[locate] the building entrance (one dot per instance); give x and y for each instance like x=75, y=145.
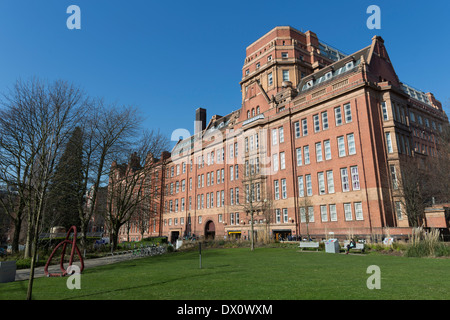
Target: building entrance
x=174, y=236
x=210, y=230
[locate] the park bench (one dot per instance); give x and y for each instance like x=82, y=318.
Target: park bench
x=359, y=246
x=309, y=244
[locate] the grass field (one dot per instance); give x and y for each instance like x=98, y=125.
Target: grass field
x=239, y=274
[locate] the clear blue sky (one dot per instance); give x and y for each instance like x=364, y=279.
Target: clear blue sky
x=170, y=57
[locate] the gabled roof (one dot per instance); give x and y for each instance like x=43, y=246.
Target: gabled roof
x=333, y=71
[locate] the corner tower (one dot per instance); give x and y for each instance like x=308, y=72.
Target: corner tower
x=281, y=58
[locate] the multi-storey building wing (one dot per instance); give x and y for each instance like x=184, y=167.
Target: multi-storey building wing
x=315, y=148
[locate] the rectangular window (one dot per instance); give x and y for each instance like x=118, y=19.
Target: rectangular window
x=308, y=185
x=306, y=154
x=231, y=218
x=330, y=181
x=398, y=210
x=274, y=137
x=236, y=170
x=282, y=161
x=338, y=116
x=278, y=215
x=276, y=190
x=316, y=123
x=285, y=75
x=348, y=211
x=231, y=173
x=321, y=182
x=275, y=162
x=237, y=195
x=285, y=215
x=283, y=189
x=301, y=187
x=389, y=143
x=323, y=213
x=355, y=177
x=305, y=127
x=394, y=177
x=231, y=197
x=297, y=129
x=237, y=217
x=299, y=156
x=385, y=111
x=327, y=147
x=218, y=199
x=302, y=214
x=319, y=157
x=270, y=79
x=358, y=211
x=281, y=134
x=311, y=214
x=341, y=146
x=223, y=197
x=324, y=120
x=344, y=179
x=348, y=113
x=212, y=199
x=333, y=214
x=351, y=143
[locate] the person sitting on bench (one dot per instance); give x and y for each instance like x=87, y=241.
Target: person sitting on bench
x=352, y=244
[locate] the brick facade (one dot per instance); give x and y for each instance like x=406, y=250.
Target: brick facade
x=324, y=134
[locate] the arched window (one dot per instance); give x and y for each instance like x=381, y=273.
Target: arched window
x=248, y=114
x=257, y=110
x=253, y=112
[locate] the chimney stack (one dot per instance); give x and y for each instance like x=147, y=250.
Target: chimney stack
x=200, y=120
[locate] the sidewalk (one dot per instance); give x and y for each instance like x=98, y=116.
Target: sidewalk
x=24, y=274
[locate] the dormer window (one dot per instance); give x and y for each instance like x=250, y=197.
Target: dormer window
x=349, y=65
x=247, y=72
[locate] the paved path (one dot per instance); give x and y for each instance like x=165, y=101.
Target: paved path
x=24, y=274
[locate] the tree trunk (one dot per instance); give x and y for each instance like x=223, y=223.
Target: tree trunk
x=16, y=235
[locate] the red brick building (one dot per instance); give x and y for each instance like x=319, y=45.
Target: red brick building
x=316, y=147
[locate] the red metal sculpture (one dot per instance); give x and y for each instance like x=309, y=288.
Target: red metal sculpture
x=61, y=263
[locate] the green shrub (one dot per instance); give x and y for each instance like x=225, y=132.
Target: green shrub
x=426, y=244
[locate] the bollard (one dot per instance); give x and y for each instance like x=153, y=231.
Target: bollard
x=200, y=253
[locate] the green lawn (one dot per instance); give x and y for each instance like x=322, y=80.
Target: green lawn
x=239, y=274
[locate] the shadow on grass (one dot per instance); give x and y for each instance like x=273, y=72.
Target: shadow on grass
x=151, y=284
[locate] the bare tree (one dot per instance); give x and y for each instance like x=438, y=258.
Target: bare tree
x=43, y=115
x=411, y=187
x=254, y=186
x=129, y=184
x=108, y=131
x=305, y=214
x=440, y=167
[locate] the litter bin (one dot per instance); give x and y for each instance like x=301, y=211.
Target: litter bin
x=332, y=246
x=7, y=271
